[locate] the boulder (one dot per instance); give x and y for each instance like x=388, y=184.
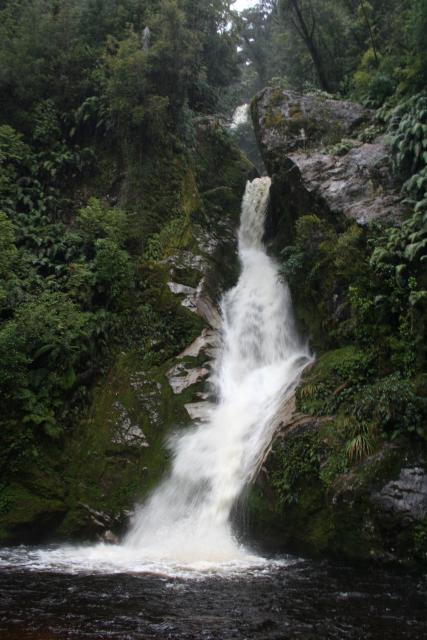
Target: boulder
x=321, y=163
x=286, y=121
x=404, y=499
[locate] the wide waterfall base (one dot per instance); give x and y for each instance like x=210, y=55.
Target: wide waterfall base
x=113, y=559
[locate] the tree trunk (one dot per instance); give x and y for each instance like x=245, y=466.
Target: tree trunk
x=307, y=35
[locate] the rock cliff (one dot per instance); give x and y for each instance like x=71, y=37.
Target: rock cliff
x=326, y=156
x=332, y=185
x=86, y=485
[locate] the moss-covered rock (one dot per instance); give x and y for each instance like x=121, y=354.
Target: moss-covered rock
x=117, y=454
x=298, y=504
x=318, y=165
x=286, y=121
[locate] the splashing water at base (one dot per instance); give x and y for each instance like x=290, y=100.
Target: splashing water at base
x=186, y=522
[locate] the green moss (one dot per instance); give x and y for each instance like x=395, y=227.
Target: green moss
x=275, y=120
x=317, y=130
x=276, y=97
x=106, y=472
x=30, y=504
x=219, y=162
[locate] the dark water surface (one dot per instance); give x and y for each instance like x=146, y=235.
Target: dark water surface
x=305, y=600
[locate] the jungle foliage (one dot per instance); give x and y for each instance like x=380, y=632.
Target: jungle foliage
x=362, y=293
x=95, y=98
x=369, y=50
x=98, y=105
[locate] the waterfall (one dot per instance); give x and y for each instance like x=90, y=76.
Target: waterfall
x=240, y=116
x=185, y=526
x=187, y=519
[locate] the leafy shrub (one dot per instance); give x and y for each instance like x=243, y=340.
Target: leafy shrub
x=407, y=127
x=334, y=379
x=98, y=221
x=8, y=249
x=399, y=259
x=372, y=82
x=319, y=268
x=300, y=459
x=44, y=347
x=113, y=269
x=391, y=406
x=171, y=237
x=359, y=436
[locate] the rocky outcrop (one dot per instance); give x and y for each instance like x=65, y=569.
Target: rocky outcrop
x=324, y=156
x=377, y=511
x=405, y=498
x=286, y=121
x=358, y=185
x=326, y=486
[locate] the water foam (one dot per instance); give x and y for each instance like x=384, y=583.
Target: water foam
x=240, y=116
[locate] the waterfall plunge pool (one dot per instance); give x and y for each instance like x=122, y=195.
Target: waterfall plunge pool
x=278, y=600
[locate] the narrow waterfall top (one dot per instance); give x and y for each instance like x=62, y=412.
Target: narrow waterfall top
x=240, y=116
x=254, y=209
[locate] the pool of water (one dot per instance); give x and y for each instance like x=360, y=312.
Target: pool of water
x=285, y=599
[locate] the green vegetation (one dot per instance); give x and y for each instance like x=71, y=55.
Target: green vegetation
x=114, y=169
x=359, y=290
x=369, y=50
x=366, y=288
x=100, y=185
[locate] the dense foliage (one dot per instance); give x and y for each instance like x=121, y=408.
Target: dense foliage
x=366, y=49
x=90, y=92
x=364, y=287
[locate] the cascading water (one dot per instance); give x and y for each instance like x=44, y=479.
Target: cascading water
x=186, y=522
x=188, y=518
x=240, y=116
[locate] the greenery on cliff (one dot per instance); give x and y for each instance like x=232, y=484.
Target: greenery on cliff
x=103, y=152
x=359, y=289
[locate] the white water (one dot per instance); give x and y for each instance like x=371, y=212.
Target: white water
x=188, y=517
x=186, y=522
x=240, y=116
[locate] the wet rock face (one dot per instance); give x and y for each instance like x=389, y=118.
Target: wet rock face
x=358, y=185
x=182, y=377
x=377, y=511
x=405, y=498
x=318, y=164
x=126, y=433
